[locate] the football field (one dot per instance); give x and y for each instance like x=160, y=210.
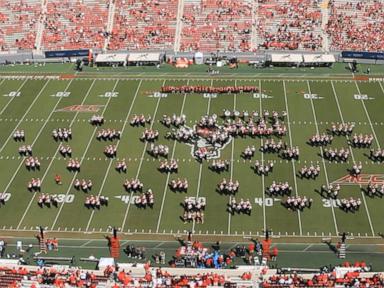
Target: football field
x=38, y=106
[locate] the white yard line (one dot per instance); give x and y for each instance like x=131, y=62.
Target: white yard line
x=307, y=248
x=25, y=114
x=201, y=164
x=262, y=163
x=83, y=157
x=368, y=117
x=141, y=162
x=117, y=145
x=33, y=143
x=322, y=158
x=86, y=243
x=292, y=160
x=381, y=86
x=12, y=98
x=169, y=174
x=53, y=158
x=232, y=163
x=353, y=158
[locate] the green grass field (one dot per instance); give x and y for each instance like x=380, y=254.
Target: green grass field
x=37, y=111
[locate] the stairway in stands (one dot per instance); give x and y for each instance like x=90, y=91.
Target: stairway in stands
x=41, y=25
x=111, y=18
x=179, y=25
x=255, y=6
x=325, y=11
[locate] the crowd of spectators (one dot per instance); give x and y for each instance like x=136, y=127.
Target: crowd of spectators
x=211, y=25
x=353, y=277
x=356, y=25
x=205, y=25
x=141, y=25
x=49, y=276
x=289, y=24
x=196, y=255
x=165, y=279
x=73, y=277
x=18, y=23
x=72, y=24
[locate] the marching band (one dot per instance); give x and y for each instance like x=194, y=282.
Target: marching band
x=96, y=120
x=145, y=199
x=19, y=136
x=208, y=89
x=25, y=150
x=228, y=186
x=244, y=207
x=108, y=134
x=85, y=185
x=140, y=120
x=95, y=202
x=133, y=185
x=295, y=203
x=62, y=134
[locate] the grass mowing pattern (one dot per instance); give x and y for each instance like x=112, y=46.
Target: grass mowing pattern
x=36, y=111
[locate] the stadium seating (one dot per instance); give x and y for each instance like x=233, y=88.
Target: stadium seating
x=191, y=25
x=71, y=24
x=356, y=25
x=27, y=276
x=289, y=24
x=19, y=21
x=212, y=25
x=143, y=25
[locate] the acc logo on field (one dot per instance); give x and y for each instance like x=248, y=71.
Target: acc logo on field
x=80, y=108
x=362, y=179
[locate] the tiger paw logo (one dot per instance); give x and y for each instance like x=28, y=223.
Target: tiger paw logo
x=202, y=142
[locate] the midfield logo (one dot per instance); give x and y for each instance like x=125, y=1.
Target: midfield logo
x=201, y=143
x=362, y=179
x=81, y=108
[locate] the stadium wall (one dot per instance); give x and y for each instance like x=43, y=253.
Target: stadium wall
x=33, y=56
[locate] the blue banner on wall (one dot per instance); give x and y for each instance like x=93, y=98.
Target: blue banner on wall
x=363, y=55
x=67, y=53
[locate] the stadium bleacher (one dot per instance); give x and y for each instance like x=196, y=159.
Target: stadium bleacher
x=191, y=25
x=349, y=275
x=216, y=25
x=142, y=25
x=18, y=28
x=289, y=25
x=356, y=25
x=73, y=25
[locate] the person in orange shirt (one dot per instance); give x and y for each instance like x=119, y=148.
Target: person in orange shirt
x=55, y=244
x=58, y=179
x=121, y=276
x=251, y=248
x=275, y=252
